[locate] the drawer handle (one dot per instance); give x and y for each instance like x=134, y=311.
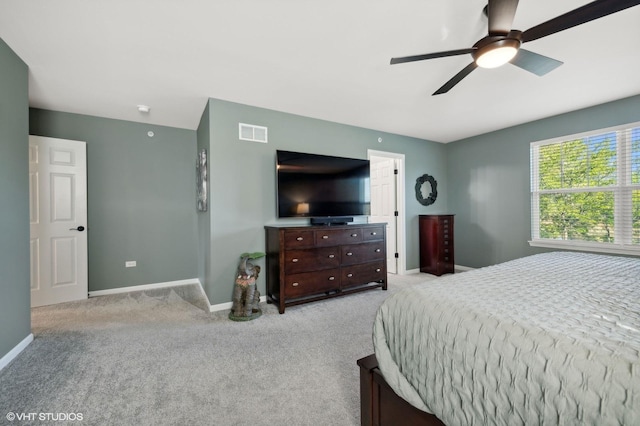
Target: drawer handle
x=294, y=260
x=295, y=284
x=378, y=269
x=374, y=233
x=354, y=235
x=299, y=238
x=325, y=237
x=349, y=275
x=349, y=254
x=332, y=278
x=377, y=250
x=331, y=256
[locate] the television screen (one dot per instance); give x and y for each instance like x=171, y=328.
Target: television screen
x=311, y=185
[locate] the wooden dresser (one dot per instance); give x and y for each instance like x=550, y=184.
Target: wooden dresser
x=309, y=263
x=436, y=244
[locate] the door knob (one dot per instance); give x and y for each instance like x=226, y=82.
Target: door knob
x=79, y=229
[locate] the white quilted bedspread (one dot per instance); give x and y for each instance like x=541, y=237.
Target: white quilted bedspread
x=547, y=339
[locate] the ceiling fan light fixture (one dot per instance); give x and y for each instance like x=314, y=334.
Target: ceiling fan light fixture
x=502, y=42
x=497, y=54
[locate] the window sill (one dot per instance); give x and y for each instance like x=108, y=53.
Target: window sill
x=585, y=246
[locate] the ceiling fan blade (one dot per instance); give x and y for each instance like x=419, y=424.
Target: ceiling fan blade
x=456, y=79
x=501, y=14
x=581, y=15
x=534, y=62
x=432, y=55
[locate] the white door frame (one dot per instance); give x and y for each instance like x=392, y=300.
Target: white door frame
x=400, y=203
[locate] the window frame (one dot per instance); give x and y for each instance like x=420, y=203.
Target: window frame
x=623, y=229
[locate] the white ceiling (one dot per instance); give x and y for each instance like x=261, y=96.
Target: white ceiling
x=327, y=59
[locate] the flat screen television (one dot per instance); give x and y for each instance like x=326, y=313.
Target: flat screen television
x=321, y=186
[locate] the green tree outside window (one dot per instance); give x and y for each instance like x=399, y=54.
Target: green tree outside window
x=579, y=183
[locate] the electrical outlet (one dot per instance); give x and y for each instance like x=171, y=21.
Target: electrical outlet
x=130, y=264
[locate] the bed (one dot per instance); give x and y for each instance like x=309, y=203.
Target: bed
x=552, y=338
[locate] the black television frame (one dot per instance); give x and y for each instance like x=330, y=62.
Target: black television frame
x=329, y=171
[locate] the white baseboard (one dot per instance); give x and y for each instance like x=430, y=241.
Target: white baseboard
x=212, y=308
x=15, y=351
x=463, y=268
x=229, y=305
x=456, y=267
x=145, y=287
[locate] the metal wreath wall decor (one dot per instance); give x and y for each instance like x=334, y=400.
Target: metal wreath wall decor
x=421, y=190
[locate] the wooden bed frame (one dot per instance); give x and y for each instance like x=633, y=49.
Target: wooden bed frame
x=381, y=406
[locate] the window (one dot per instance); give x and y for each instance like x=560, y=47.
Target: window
x=585, y=191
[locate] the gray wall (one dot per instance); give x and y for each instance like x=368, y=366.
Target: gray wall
x=141, y=197
x=15, y=315
x=242, y=176
x=489, y=181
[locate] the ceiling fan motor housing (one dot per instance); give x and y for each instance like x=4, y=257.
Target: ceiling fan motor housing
x=495, y=50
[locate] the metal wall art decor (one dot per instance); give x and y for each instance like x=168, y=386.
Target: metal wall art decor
x=201, y=180
x=426, y=190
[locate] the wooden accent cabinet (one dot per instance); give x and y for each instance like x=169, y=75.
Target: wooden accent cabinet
x=436, y=244
x=309, y=263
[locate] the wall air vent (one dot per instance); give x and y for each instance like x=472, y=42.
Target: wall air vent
x=249, y=132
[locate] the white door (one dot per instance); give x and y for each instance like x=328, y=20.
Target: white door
x=383, y=203
x=58, y=216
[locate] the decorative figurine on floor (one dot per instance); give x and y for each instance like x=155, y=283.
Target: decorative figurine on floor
x=246, y=297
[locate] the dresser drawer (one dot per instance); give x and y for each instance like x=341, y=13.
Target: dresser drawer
x=309, y=283
x=446, y=254
x=446, y=230
x=445, y=259
x=358, y=253
x=331, y=237
x=370, y=234
x=297, y=239
x=311, y=259
x=363, y=273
